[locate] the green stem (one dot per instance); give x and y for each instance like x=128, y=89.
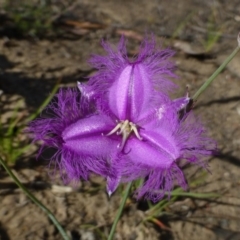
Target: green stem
x=110, y=237
x=215, y=74
x=196, y=195
x=45, y=102
x=36, y=201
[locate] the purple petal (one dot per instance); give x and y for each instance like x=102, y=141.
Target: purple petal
x=131, y=92
x=76, y=135
x=112, y=183
x=153, y=151
x=193, y=141
x=132, y=86
x=119, y=93
x=85, y=90
x=86, y=136
x=161, y=181
x=64, y=110
x=164, y=123
x=180, y=103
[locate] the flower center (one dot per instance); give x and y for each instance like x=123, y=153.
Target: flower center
x=125, y=128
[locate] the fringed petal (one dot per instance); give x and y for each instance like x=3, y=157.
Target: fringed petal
x=160, y=182
x=128, y=87
x=153, y=151
x=86, y=137
x=76, y=134
x=193, y=141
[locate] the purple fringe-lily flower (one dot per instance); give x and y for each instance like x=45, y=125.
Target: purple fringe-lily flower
x=122, y=124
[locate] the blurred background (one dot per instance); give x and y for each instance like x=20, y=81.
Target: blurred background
x=46, y=44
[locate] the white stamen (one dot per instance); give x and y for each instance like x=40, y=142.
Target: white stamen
x=126, y=128
x=134, y=129
x=115, y=129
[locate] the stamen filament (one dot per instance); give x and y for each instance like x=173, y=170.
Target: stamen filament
x=115, y=129
x=124, y=139
x=126, y=128
x=134, y=129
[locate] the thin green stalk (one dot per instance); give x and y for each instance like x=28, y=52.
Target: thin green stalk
x=36, y=201
x=178, y=192
x=215, y=74
x=160, y=205
x=125, y=196
x=196, y=195
x=45, y=102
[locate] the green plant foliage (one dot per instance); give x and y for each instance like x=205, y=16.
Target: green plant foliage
x=31, y=19
x=213, y=34
x=12, y=145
